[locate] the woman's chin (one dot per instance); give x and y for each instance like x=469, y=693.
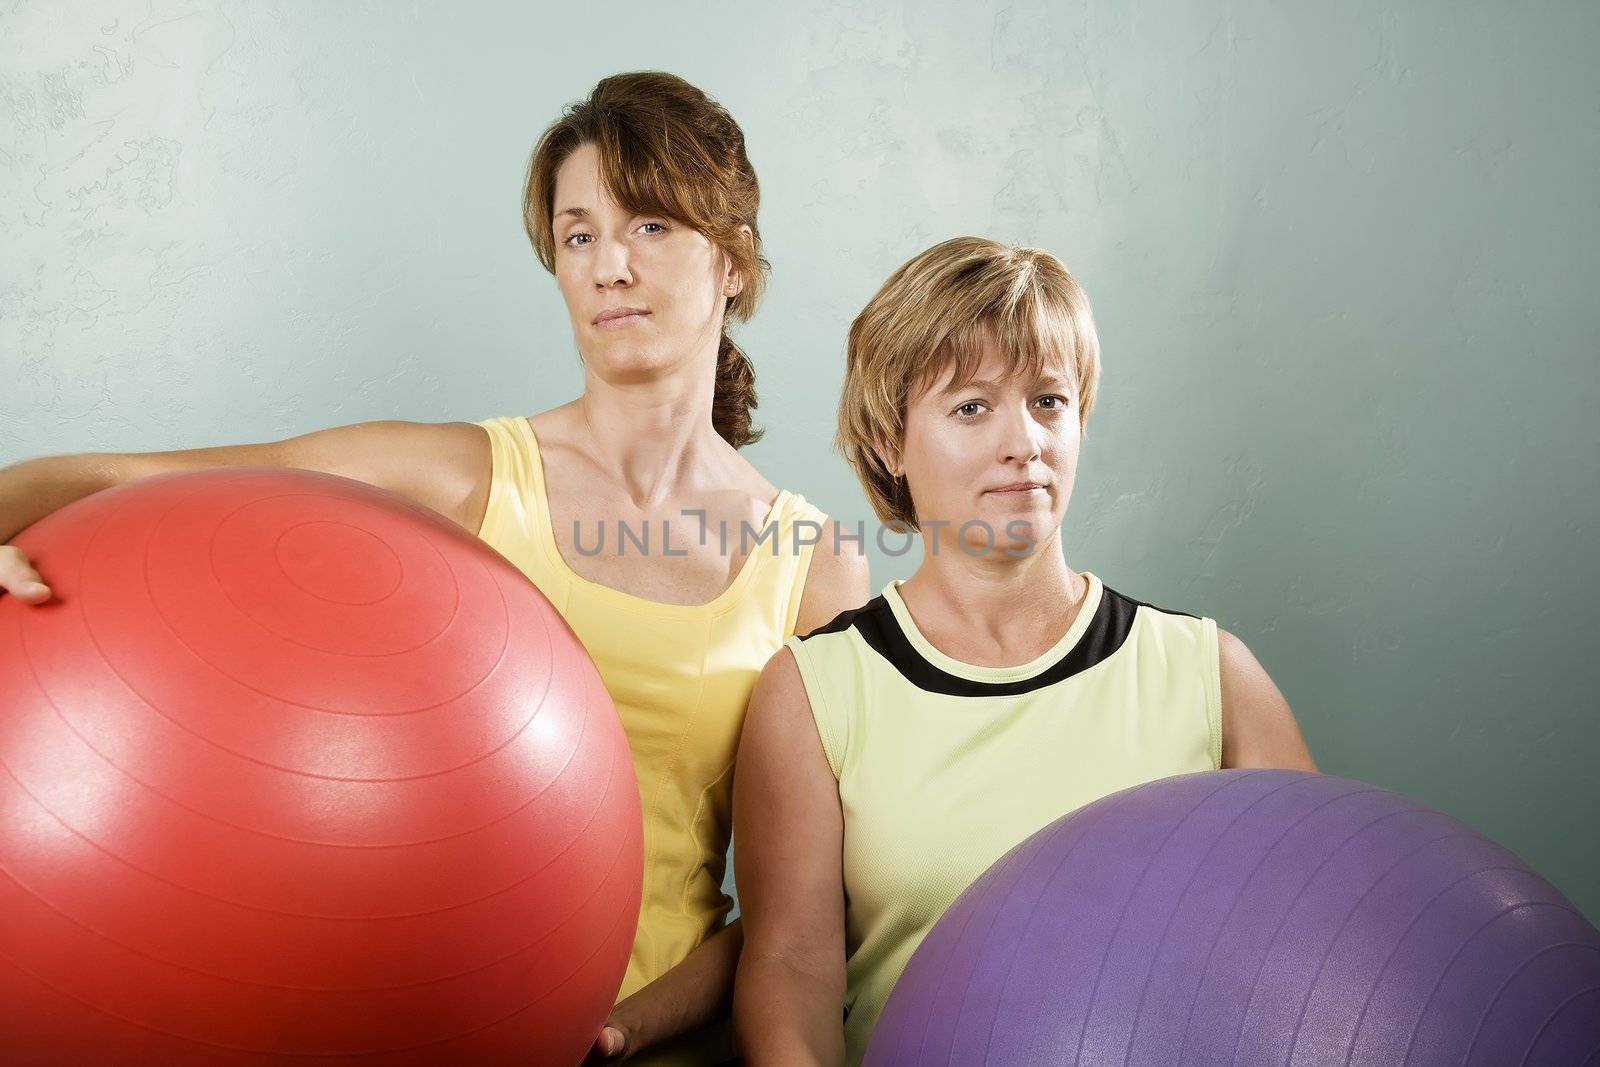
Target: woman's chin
x=626, y=366
x=1020, y=541
x=1009, y=538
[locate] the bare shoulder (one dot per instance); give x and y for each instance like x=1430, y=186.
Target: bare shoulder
x=458, y=445
x=465, y=473
x=445, y=466
x=780, y=750
x=839, y=579
x=1258, y=727
x=1233, y=653
x=780, y=685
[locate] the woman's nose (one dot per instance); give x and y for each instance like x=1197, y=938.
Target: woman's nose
x=611, y=265
x=1020, y=436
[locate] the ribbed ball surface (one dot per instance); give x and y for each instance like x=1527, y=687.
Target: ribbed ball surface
x=1252, y=917
x=295, y=771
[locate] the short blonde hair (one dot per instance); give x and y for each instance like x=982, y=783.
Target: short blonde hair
x=938, y=309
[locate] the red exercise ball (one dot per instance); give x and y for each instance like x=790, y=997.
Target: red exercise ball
x=295, y=771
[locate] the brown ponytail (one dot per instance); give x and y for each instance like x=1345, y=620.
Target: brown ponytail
x=735, y=396
x=667, y=147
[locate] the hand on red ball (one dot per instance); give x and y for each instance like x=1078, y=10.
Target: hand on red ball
x=614, y=1044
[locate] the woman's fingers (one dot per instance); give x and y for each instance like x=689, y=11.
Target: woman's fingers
x=611, y=1044
x=18, y=577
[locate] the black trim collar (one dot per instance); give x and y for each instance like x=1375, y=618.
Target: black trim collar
x=1105, y=634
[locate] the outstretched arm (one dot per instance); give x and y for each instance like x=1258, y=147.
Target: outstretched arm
x=442, y=466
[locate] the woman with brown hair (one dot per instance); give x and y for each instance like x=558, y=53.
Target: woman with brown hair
x=642, y=202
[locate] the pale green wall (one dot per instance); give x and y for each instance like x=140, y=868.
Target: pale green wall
x=1342, y=258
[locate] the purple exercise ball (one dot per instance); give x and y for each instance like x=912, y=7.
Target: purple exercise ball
x=1252, y=917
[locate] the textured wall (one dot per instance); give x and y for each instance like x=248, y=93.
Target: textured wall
x=1342, y=259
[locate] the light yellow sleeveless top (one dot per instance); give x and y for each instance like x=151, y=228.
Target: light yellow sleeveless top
x=680, y=676
x=944, y=766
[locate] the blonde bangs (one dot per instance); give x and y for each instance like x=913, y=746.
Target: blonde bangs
x=1033, y=339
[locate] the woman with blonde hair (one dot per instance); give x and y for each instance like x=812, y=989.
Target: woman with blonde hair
x=642, y=202
x=891, y=756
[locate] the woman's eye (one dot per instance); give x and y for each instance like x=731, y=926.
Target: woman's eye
x=579, y=238
x=969, y=409
x=659, y=228
x=1060, y=401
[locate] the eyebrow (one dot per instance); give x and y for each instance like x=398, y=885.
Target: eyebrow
x=575, y=212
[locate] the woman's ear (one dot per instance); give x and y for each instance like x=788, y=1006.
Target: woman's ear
x=733, y=281
x=890, y=460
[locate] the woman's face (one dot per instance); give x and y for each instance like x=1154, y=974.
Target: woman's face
x=1000, y=453
x=644, y=291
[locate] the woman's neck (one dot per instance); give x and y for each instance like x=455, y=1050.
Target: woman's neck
x=994, y=609
x=655, y=437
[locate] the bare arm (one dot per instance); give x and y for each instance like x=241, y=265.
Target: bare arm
x=788, y=833
x=835, y=582
x=442, y=466
x=1258, y=729
x=694, y=994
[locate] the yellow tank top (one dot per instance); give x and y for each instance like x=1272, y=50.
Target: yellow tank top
x=944, y=766
x=681, y=677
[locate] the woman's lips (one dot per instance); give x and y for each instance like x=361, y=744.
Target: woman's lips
x=618, y=322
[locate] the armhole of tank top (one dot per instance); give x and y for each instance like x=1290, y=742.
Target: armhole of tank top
x=709, y=858
x=497, y=475
x=1211, y=654
x=519, y=471
x=821, y=710
x=802, y=569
